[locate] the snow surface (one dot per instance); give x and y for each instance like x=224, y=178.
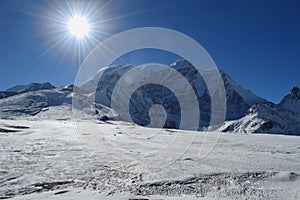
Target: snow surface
x=90, y=159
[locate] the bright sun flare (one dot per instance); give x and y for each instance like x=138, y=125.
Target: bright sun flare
x=79, y=26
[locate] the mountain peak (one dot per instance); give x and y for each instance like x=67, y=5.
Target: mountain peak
x=292, y=100
x=295, y=92
x=180, y=62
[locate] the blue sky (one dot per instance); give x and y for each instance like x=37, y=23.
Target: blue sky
x=256, y=42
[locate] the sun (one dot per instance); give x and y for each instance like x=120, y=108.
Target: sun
x=79, y=26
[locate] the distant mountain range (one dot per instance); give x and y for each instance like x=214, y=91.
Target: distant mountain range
x=246, y=112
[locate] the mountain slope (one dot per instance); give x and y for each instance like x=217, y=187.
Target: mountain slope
x=269, y=117
x=238, y=98
x=292, y=100
x=18, y=89
x=33, y=102
x=48, y=103
x=5, y=94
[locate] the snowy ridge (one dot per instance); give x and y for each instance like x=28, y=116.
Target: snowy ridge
x=33, y=102
x=30, y=87
x=18, y=89
x=53, y=103
x=246, y=112
x=269, y=117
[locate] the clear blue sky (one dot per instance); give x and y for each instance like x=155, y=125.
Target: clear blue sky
x=256, y=42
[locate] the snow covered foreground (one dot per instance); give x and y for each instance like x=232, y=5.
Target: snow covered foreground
x=64, y=159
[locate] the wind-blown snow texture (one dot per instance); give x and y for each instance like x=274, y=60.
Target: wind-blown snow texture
x=46, y=159
x=246, y=112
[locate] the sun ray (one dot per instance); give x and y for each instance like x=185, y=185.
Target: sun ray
x=50, y=48
x=54, y=27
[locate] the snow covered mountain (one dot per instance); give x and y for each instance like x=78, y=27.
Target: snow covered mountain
x=246, y=112
x=18, y=89
x=32, y=102
x=269, y=117
x=238, y=98
x=55, y=103
x=292, y=100
x=30, y=87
